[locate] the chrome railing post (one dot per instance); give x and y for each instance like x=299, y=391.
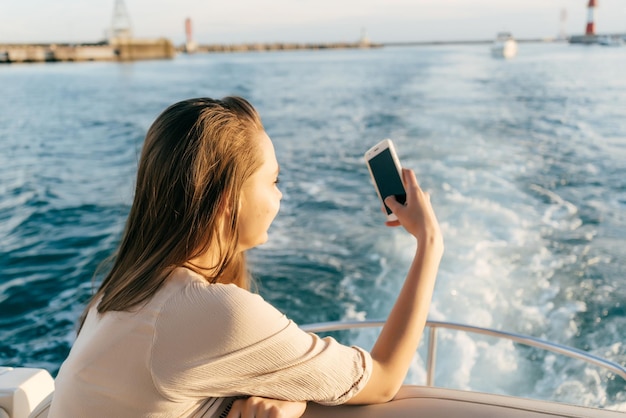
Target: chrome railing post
x=431, y=357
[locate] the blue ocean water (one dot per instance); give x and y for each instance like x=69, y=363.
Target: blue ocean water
x=525, y=160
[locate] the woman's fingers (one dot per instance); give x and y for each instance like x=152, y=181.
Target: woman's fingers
x=416, y=215
x=257, y=407
x=412, y=187
x=246, y=408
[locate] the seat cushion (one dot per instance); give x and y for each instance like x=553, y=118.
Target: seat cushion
x=434, y=402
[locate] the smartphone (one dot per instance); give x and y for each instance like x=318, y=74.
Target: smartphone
x=384, y=167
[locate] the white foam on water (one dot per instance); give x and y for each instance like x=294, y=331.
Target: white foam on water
x=499, y=272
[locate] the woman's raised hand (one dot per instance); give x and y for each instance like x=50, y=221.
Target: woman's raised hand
x=416, y=215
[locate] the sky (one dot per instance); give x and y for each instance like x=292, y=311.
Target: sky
x=249, y=21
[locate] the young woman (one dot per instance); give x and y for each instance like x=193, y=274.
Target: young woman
x=173, y=330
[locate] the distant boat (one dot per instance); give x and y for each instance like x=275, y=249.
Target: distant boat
x=505, y=46
x=607, y=40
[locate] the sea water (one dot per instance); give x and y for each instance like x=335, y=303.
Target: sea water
x=525, y=160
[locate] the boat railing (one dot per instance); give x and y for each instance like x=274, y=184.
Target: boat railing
x=434, y=326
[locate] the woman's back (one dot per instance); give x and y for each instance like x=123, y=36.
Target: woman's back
x=191, y=348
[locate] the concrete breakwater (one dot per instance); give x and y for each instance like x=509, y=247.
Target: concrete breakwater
x=116, y=50
x=276, y=46
x=614, y=39
x=137, y=49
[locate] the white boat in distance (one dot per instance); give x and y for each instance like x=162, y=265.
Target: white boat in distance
x=27, y=392
x=608, y=40
x=505, y=46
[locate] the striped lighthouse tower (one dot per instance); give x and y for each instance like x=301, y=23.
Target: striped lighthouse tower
x=591, y=26
x=190, y=45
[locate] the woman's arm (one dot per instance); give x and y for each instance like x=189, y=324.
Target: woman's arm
x=399, y=338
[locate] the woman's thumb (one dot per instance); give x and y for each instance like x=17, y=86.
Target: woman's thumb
x=392, y=203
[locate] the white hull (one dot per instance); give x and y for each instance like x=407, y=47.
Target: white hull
x=610, y=41
x=504, y=49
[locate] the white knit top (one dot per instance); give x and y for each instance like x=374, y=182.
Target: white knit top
x=192, y=348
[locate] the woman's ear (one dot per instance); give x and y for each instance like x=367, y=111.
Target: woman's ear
x=226, y=206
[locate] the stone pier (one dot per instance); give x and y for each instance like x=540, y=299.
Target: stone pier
x=116, y=50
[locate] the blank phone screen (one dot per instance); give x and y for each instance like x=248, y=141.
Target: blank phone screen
x=387, y=178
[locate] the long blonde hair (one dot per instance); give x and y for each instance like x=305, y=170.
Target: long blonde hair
x=196, y=156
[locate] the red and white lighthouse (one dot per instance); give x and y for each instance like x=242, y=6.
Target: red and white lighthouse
x=190, y=45
x=591, y=26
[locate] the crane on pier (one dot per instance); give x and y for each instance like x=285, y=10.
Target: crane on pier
x=121, y=27
x=563, y=30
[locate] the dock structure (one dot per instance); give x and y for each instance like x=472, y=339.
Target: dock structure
x=591, y=37
x=132, y=49
x=279, y=46
x=584, y=39
x=121, y=46
x=114, y=50
x=25, y=53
